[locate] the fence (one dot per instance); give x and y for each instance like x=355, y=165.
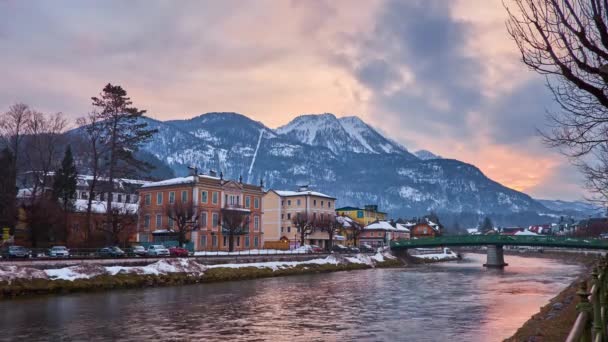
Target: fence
x=590, y=324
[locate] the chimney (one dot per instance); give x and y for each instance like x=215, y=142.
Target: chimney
x=303, y=188
x=212, y=173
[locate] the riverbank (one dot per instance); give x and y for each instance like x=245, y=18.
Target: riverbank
x=18, y=281
x=554, y=320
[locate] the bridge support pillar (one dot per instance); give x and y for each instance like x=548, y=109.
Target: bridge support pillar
x=495, y=257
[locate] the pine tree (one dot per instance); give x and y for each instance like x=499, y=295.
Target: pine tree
x=64, y=185
x=122, y=132
x=487, y=225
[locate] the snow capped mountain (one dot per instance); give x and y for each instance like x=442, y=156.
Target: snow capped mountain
x=426, y=155
x=343, y=157
x=347, y=134
x=573, y=208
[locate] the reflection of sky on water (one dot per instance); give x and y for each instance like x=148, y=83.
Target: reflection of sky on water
x=451, y=301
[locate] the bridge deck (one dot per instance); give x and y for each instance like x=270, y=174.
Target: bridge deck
x=505, y=240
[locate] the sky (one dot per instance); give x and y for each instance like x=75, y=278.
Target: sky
x=440, y=75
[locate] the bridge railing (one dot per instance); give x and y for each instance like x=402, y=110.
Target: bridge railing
x=540, y=240
x=590, y=324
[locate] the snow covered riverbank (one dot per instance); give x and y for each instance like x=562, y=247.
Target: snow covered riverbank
x=189, y=267
x=445, y=255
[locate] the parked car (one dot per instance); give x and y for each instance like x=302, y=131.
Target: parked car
x=59, y=252
x=354, y=250
x=339, y=249
x=178, y=252
x=365, y=248
x=157, y=250
x=16, y=252
x=316, y=249
x=139, y=251
x=111, y=252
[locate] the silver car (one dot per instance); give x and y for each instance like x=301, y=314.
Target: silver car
x=59, y=252
x=158, y=250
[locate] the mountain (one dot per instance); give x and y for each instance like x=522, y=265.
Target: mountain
x=344, y=157
x=347, y=134
x=426, y=155
x=578, y=209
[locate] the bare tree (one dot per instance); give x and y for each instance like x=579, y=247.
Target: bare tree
x=351, y=228
x=91, y=152
x=43, y=150
x=183, y=216
x=331, y=225
x=234, y=222
x=567, y=41
x=118, y=223
x=12, y=128
x=305, y=225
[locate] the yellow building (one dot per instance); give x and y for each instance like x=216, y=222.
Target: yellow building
x=365, y=215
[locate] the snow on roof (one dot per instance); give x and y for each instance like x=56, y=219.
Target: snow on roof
x=472, y=230
x=402, y=228
x=380, y=225
x=345, y=221
x=171, y=181
x=526, y=232
x=80, y=205
x=287, y=193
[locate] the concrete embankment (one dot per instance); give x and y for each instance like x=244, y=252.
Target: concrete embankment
x=23, y=281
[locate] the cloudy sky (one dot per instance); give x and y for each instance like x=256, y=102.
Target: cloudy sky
x=436, y=75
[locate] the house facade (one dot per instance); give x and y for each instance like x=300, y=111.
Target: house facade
x=365, y=216
x=425, y=228
x=281, y=206
x=381, y=233
x=211, y=198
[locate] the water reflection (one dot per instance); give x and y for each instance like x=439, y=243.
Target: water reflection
x=452, y=301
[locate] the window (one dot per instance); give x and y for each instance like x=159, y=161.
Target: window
x=204, y=195
x=148, y=199
x=238, y=241
x=322, y=204
x=283, y=202
x=214, y=197
x=214, y=220
x=203, y=222
x=184, y=196
x=282, y=229
x=256, y=223
x=214, y=240
x=247, y=202
x=299, y=202
x=172, y=197
x=246, y=241
x=288, y=202
x=204, y=241
x=84, y=195
x=371, y=234
x=282, y=216
x=119, y=198
x=289, y=216
x=225, y=241
x=159, y=221
x=159, y=198
x=128, y=198
x=256, y=203
x=424, y=231
x=314, y=203
x=170, y=222
x=146, y=221
x=289, y=229
x=328, y=204
x=255, y=241
x=102, y=196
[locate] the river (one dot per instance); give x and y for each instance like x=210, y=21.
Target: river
x=455, y=301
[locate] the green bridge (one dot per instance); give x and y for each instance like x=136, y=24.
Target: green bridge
x=495, y=244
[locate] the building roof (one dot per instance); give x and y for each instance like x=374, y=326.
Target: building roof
x=402, y=228
x=190, y=180
x=287, y=193
x=355, y=208
x=380, y=225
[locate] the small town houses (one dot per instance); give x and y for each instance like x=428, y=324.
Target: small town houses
x=195, y=210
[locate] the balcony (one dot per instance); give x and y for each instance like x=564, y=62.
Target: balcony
x=236, y=207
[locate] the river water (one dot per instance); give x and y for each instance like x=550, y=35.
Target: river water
x=455, y=301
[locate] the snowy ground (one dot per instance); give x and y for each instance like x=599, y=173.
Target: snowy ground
x=445, y=255
x=301, y=250
x=190, y=266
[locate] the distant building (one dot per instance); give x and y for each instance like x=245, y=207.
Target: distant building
x=381, y=233
x=281, y=206
x=365, y=216
x=210, y=196
x=511, y=230
x=426, y=228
